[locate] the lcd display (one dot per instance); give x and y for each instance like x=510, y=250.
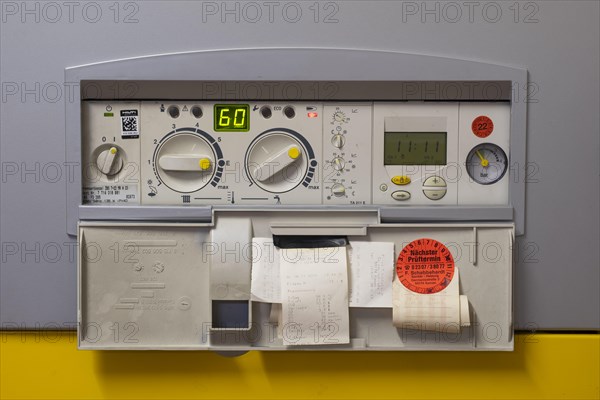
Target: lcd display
x=414, y=148
x=232, y=118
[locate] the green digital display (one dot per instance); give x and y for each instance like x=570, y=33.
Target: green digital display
x=414, y=148
x=232, y=118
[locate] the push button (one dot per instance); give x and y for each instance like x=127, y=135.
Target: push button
x=437, y=181
x=401, y=180
x=434, y=187
x=401, y=195
x=434, y=194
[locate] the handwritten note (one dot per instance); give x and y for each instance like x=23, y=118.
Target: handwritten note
x=266, y=283
x=445, y=311
x=314, y=293
x=371, y=274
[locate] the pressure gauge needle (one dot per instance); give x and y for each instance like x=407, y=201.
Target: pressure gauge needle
x=484, y=162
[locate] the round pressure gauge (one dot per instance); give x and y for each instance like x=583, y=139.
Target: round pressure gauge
x=486, y=163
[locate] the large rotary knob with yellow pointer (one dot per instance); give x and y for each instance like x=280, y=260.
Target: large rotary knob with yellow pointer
x=185, y=162
x=276, y=162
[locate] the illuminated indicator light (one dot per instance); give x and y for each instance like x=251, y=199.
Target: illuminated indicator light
x=294, y=153
x=313, y=115
x=109, y=114
x=204, y=164
x=113, y=150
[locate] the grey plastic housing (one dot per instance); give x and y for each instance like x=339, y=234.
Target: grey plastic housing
x=172, y=292
x=148, y=286
x=216, y=75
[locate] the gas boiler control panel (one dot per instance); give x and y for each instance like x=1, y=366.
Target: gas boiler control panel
x=295, y=153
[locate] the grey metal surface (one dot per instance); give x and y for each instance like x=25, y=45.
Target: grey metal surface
x=557, y=273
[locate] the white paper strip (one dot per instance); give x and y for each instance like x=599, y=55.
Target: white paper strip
x=314, y=291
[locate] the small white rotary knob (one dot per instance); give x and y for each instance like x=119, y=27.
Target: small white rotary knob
x=338, y=140
x=109, y=161
x=338, y=190
x=338, y=163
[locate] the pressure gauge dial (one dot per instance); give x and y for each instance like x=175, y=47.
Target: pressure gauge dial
x=487, y=163
x=185, y=162
x=277, y=161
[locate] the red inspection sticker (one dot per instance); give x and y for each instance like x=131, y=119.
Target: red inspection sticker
x=425, y=266
x=482, y=126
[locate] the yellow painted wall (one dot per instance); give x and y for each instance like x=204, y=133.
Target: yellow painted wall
x=48, y=365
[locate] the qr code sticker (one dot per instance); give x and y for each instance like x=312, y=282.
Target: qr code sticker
x=129, y=124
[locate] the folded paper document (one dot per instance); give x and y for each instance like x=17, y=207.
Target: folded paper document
x=370, y=273
x=314, y=295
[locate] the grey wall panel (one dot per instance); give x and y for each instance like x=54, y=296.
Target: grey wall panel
x=557, y=273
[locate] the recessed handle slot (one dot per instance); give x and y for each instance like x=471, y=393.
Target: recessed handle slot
x=231, y=314
x=308, y=242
